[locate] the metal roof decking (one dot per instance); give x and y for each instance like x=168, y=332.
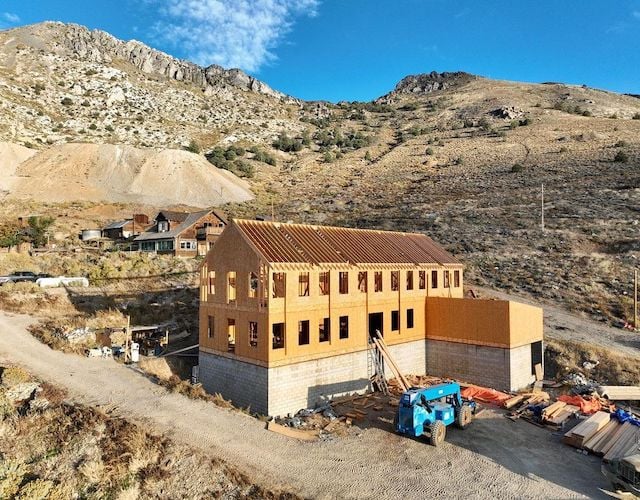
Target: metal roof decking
x=303, y=243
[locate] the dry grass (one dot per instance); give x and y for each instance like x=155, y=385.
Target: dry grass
x=68, y=451
x=563, y=357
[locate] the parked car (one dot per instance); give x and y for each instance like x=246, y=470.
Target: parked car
x=22, y=276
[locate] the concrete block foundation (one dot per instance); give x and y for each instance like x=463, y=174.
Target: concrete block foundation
x=498, y=368
x=287, y=389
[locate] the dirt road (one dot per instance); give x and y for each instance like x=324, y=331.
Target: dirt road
x=494, y=458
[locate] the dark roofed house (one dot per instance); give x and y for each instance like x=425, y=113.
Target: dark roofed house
x=182, y=233
x=124, y=229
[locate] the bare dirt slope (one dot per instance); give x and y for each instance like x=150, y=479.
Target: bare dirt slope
x=495, y=457
x=93, y=172
x=11, y=156
x=562, y=325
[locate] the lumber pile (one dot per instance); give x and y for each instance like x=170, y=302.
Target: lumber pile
x=561, y=415
x=620, y=392
x=601, y=439
x=624, y=443
x=582, y=432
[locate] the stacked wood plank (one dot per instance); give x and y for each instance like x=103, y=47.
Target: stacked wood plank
x=560, y=416
x=625, y=442
x=620, y=392
x=597, y=443
x=582, y=432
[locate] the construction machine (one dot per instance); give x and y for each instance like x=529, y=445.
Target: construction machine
x=429, y=410
x=624, y=474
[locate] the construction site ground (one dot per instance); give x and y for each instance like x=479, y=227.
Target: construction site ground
x=495, y=457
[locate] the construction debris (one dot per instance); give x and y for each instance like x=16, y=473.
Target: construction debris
x=303, y=435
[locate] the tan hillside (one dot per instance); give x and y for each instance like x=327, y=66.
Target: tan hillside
x=11, y=156
x=108, y=173
x=456, y=155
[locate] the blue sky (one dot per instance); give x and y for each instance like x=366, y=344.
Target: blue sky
x=359, y=49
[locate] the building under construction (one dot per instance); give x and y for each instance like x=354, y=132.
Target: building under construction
x=287, y=312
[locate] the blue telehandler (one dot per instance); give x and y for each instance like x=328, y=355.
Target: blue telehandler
x=429, y=410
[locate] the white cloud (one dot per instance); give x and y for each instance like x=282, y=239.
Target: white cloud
x=10, y=17
x=231, y=33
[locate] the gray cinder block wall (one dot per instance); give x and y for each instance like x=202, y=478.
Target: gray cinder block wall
x=498, y=368
x=287, y=389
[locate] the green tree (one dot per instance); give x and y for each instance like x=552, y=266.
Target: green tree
x=38, y=227
x=11, y=235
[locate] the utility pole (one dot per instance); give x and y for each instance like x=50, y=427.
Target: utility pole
x=635, y=300
x=542, y=208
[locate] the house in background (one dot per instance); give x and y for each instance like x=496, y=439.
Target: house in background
x=183, y=234
x=124, y=229
x=287, y=310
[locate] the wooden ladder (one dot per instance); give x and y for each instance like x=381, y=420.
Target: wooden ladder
x=383, y=350
x=376, y=368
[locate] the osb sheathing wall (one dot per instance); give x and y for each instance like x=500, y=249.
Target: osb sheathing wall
x=233, y=253
x=494, y=323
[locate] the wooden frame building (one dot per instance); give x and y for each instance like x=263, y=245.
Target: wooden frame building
x=287, y=310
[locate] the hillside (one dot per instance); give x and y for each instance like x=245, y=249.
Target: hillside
x=123, y=174
x=64, y=83
x=456, y=155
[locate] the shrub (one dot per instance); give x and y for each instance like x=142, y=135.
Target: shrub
x=517, y=168
x=636, y=116
x=193, y=147
x=484, y=124
x=621, y=157
x=93, y=126
x=244, y=169
x=586, y=112
x=429, y=151
x=109, y=128
x=621, y=144
x=67, y=101
x=526, y=121
x=328, y=157
x=287, y=144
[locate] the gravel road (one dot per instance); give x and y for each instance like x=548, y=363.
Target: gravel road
x=494, y=458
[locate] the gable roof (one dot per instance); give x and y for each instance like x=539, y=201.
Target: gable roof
x=303, y=243
x=189, y=221
x=172, y=215
x=117, y=224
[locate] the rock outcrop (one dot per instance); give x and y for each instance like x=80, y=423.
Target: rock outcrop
x=427, y=83
x=101, y=47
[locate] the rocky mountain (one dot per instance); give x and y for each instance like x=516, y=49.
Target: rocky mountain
x=100, y=47
x=427, y=83
x=63, y=83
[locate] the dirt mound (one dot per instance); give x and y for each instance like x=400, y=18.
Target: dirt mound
x=110, y=173
x=11, y=156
